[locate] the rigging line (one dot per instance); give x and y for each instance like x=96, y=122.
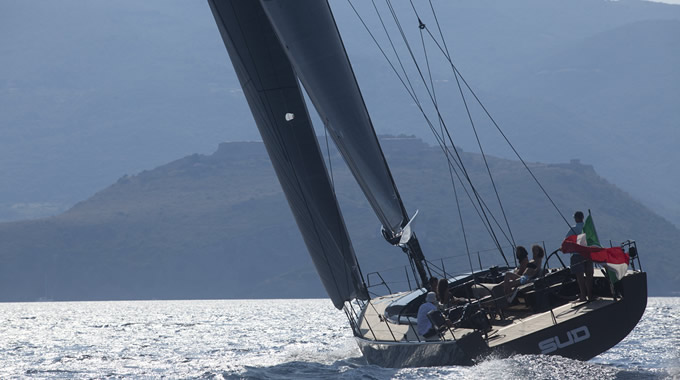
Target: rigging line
x=412, y=91
x=481, y=202
x=449, y=157
x=394, y=69
x=461, y=255
x=445, y=149
x=462, y=225
x=434, y=93
x=447, y=153
x=486, y=162
x=441, y=128
x=515, y=151
x=472, y=123
x=421, y=27
x=429, y=74
x=392, y=44
x=460, y=215
x=441, y=125
x=409, y=89
x=388, y=61
x=488, y=114
x=399, y=27
x=330, y=163
x=398, y=23
x=436, y=21
x=380, y=47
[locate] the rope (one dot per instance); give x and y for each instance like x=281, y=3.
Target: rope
x=455, y=156
x=422, y=26
x=498, y=128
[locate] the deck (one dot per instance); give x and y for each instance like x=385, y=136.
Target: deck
x=518, y=322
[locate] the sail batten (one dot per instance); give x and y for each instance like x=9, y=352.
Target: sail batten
x=272, y=91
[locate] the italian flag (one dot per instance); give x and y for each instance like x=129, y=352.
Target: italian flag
x=588, y=245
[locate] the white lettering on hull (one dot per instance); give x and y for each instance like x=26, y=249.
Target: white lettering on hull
x=576, y=335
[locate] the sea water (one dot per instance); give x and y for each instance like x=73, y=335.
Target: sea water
x=273, y=339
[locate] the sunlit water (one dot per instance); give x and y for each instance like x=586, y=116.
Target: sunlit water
x=272, y=339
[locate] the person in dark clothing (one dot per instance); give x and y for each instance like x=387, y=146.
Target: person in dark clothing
x=533, y=270
x=432, y=284
x=445, y=297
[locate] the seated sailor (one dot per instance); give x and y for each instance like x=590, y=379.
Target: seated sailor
x=444, y=296
x=425, y=327
x=533, y=269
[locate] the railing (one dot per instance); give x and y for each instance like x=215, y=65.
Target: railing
x=543, y=289
x=632, y=252
x=547, y=259
x=386, y=278
x=382, y=281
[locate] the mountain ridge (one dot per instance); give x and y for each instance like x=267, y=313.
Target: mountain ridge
x=93, y=90
x=218, y=226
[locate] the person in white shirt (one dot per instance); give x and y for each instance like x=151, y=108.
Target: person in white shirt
x=424, y=326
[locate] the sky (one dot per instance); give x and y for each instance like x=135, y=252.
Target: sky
x=97, y=90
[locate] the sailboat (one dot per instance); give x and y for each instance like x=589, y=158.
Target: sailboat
x=278, y=47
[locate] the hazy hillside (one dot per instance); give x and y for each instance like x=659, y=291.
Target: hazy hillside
x=92, y=90
x=631, y=139
x=597, y=75
x=218, y=226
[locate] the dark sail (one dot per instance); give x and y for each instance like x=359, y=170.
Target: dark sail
x=277, y=104
x=308, y=31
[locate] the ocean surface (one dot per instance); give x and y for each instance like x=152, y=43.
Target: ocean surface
x=273, y=339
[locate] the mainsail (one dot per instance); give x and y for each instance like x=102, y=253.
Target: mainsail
x=276, y=102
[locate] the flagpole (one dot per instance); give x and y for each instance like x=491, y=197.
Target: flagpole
x=593, y=224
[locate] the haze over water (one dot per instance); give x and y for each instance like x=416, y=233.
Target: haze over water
x=271, y=339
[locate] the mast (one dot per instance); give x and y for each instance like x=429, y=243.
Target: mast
x=311, y=40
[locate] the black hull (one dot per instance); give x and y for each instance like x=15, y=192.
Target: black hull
x=581, y=338
x=591, y=334
x=416, y=354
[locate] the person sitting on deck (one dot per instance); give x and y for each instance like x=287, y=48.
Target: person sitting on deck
x=432, y=284
x=533, y=269
x=425, y=327
x=523, y=259
x=445, y=297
